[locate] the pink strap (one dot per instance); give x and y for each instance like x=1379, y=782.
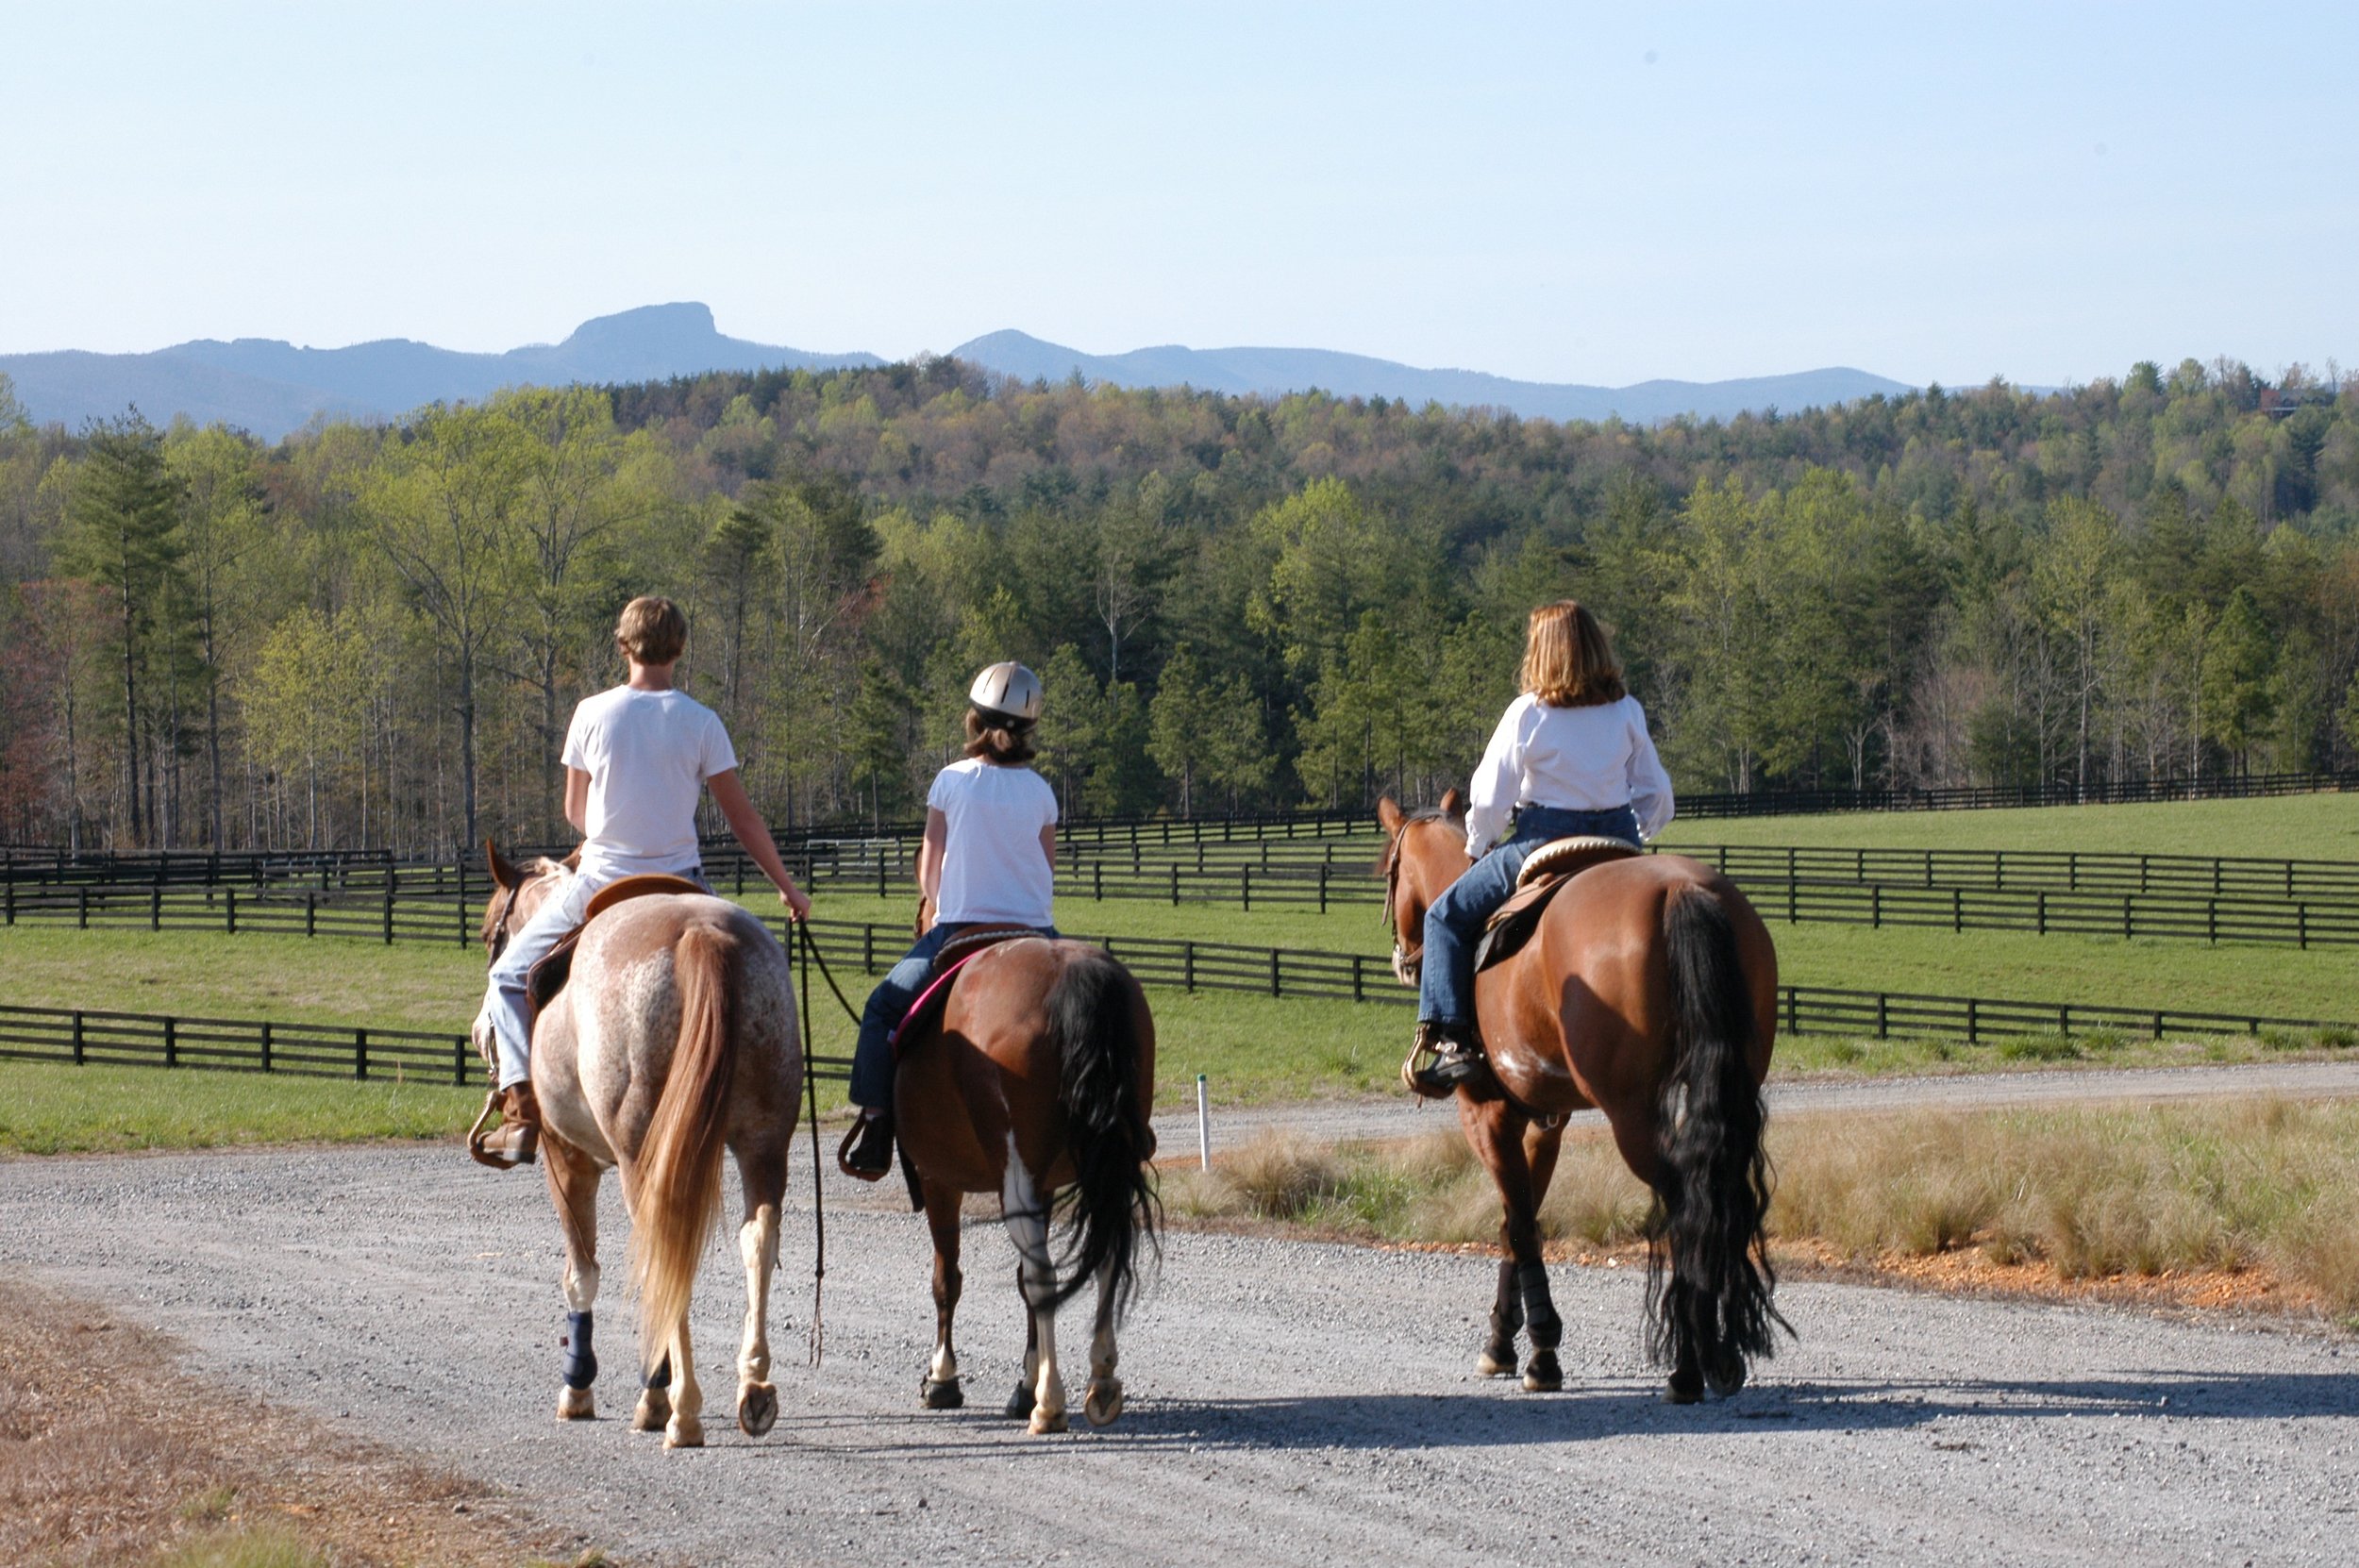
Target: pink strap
x=925, y=997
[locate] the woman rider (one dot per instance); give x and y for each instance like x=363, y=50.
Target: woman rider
x=989, y=858
x=1571, y=755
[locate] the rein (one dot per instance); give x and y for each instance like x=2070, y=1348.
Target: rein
x=809, y=947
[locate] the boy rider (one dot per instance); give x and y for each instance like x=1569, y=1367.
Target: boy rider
x=635, y=759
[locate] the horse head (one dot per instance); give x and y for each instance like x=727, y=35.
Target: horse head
x=518, y=893
x=1428, y=852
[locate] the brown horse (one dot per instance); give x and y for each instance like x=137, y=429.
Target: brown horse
x=1036, y=1081
x=674, y=1038
x=1650, y=992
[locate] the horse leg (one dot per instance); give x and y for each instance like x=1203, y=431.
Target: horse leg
x=573, y=1178
x=1103, y=1402
x=1506, y=1319
x=1020, y=1402
x=686, y=1428
x=939, y=1388
x=764, y=1177
x=1026, y=1213
x=1496, y=1129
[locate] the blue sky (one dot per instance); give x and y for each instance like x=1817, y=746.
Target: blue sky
x=1557, y=192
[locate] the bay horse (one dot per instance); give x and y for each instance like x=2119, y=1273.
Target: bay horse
x=674, y=1038
x=1649, y=990
x=1035, y=1080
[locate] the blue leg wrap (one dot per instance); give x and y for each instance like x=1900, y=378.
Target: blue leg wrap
x=581, y=1363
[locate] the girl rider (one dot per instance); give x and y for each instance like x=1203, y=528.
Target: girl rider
x=1571, y=755
x=989, y=858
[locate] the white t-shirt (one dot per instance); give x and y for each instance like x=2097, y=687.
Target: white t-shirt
x=1578, y=759
x=993, y=868
x=647, y=755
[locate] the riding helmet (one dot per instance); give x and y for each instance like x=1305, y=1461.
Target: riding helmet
x=1007, y=691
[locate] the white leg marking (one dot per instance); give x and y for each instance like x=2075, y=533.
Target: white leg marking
x=1025, y=1211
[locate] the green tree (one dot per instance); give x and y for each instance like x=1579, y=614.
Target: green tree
x=2239, y=696
x=123, y=535
x=222, y=526
x=2073, y=573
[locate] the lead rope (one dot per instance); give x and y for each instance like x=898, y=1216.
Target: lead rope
x=818, y=1206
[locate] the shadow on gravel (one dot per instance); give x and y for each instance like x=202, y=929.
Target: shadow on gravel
x=1500, y=1417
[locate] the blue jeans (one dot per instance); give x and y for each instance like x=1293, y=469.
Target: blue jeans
x=1453, y=924
x=872, y=1058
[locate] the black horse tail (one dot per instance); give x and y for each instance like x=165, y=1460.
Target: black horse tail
x=1712, y=1313
x=1095, y=1011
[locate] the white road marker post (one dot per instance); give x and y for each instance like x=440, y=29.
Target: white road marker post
x=1203, y=1127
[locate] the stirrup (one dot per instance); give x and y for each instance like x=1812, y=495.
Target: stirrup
x=479, y=1138
x=844, y=1151
x=1453, y=1063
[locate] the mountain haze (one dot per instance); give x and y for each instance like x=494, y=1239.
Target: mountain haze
x=1270, y=372
x=271, y=386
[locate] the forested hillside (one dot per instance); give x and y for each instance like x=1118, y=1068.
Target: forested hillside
x=373, y=635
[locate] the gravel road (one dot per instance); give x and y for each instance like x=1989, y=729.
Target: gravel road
x=1290, y=1402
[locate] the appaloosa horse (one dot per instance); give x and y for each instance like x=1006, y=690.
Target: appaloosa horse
x=1649, y=990
x=674, y=1039
x=1035, y=1080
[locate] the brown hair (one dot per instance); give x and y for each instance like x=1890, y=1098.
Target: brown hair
x=651, y=630
x=1567, y=660
x=998, y=739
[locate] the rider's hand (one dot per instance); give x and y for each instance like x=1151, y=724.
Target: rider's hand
x=798, y=903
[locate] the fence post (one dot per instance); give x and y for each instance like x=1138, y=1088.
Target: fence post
x=1875, y=905
x=156, y=905
x=1175, y=884
x=391, y=881
x=1187, y=965
x=1323, y=870
x=1973, y=1023
x=1359, y=990
x=11, y=899
x=459, y=1062
x=79, y=1047
x=1248, y=884
x=360, y=1053
x=82, y=907
x=2041, y=920
x=311, y=912
x=1097, y=880
x=1273, y=972
x=172, y=1042
x=880, y=874
x=266, y=1043
x=1957, y=910
x=2302, y=925
x=2211, y=918
x=1793, y=1009
x=1883, y=1019
x=230, y=908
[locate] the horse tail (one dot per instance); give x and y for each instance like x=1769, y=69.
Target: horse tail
x=1094, y=1012
x=676, y=1195
x=1714, y=1313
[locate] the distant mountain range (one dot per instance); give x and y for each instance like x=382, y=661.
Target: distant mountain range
x=270, y=387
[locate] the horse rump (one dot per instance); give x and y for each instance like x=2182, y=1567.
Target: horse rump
x=1094, y=1008
x=678, y=1196
x=1709, y=1278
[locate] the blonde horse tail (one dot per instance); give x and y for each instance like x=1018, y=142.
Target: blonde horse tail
x=677, y=1191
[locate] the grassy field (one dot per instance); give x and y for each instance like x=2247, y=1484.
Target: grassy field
x=48, y=1109
x=2088, y=1194
x=2299, y=827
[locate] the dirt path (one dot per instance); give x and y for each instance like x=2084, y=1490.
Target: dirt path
x=1398, y=1116
x=1291, y=1401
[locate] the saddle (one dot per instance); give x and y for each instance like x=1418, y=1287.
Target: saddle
x=955, y=955
x=1544, y=873
x=547, y=977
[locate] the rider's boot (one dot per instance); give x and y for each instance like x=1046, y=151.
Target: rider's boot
x=517, y=1139
x=866, y=1152
x=1456, y=1057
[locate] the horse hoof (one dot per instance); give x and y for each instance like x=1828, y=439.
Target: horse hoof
x=1544, y=1376
x=653, y=1410
x=1045, y=1422
x=1020, y=1403
x=1492, y=1363
x=685, y=1431
x=945, y=1395
x=1103, y=1404
x=757, y=1408
x=577, y=1405
x=1683, y=1390
x=1731, y=1384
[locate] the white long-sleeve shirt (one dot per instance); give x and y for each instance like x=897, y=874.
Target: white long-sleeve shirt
x=1574, y=758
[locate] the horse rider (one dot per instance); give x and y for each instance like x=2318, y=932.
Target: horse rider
x=989, y=858
x=637, y=757
x=1571, y=755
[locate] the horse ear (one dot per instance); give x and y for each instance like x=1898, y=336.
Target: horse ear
x=502, y=873
x=1453, y=804
x=1388, y=815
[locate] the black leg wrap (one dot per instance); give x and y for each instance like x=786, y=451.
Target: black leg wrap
x=1539, y=1308
x=662, y=1376
x=581, y=1363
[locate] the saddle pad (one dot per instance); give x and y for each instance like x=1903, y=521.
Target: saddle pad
x=958, y=949
x=547, y=977
x=1546, y=871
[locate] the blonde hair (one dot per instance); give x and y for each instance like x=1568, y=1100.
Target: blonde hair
x=1567, y=660
x=651, y=630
